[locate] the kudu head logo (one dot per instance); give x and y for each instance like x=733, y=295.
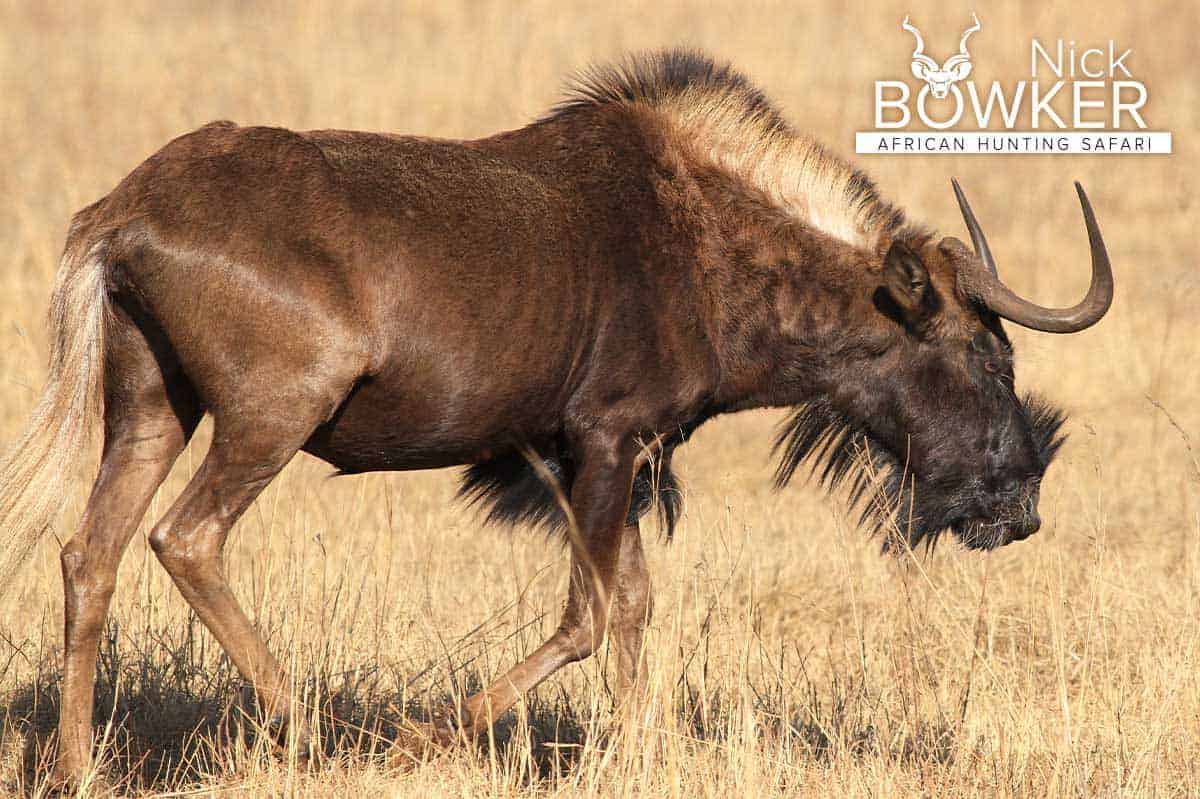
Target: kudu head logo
x=957, y=66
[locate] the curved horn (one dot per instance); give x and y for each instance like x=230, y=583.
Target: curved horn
x=916, y=34
x=919, y=53
x=962, y=46
x=977, y=239
x=985, y=287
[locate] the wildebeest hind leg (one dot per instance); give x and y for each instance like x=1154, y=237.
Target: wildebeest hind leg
x=246, y=454
x=150, y=413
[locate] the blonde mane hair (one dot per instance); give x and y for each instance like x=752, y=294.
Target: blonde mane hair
x=726, y=120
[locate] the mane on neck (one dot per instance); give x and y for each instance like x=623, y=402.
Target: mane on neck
x=726, y=120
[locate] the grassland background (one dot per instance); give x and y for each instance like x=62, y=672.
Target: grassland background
x=789, y=658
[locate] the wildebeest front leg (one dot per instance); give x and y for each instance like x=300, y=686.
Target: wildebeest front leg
x=599, y=503
x=633, y=605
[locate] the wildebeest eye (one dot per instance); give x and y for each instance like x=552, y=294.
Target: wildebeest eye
x=992, y=366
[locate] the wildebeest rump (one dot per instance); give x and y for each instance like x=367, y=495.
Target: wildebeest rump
x=556, y=307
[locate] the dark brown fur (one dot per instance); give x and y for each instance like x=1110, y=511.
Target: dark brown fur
x=580, y=293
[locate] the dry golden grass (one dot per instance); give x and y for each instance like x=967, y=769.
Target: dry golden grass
x=789, y=658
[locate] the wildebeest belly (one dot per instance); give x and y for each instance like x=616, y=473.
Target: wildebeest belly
x=407, y=420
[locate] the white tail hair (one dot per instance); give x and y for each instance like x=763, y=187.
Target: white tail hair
x=33, y=472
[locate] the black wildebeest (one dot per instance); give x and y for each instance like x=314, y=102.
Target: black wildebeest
x=661, y=248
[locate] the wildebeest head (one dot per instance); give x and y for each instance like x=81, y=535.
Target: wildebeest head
x=934, y=432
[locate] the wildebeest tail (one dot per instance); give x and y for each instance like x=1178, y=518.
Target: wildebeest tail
x=516, y=491
x=33, y=471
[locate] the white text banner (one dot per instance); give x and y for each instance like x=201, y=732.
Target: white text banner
x=1114, y=142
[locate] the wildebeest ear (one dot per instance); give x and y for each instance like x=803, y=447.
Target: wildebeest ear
x=906, y=283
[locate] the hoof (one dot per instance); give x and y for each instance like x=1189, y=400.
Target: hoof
x=62, y=786
x=280, y=727
x=421, y=742
x=63, y=782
